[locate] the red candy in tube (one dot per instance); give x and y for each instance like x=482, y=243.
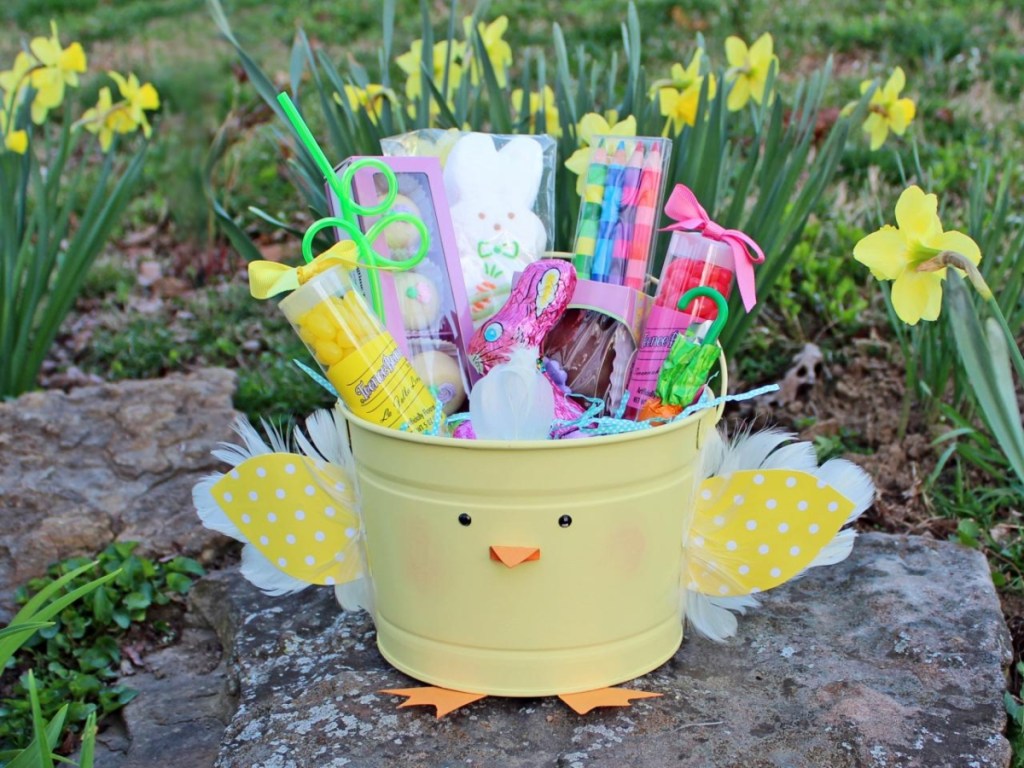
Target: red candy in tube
x=692, y=261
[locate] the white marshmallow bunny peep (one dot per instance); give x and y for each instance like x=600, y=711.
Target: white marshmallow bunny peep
x=491, y=193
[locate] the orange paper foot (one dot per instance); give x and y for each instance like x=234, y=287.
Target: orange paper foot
x=444, y=699
x=603, y=697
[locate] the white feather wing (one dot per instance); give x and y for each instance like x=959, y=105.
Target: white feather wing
x=766, y=515
x=297, y=513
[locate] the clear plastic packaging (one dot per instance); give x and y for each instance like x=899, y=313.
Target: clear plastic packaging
x=617, y=228
x=692, y=261
x=436, y=142
x=359, y=357
x=425, y=308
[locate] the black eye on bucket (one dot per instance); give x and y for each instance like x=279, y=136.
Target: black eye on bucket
x=465, y=519
x=565, y=521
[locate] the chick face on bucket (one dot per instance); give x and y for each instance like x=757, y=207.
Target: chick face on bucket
x=498, y=567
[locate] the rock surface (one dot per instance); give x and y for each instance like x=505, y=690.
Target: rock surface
x=116, y=461
x=894, y=658
x=184, y=702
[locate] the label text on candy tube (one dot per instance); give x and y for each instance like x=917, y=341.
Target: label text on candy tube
x=378, y=383
x=388, y=364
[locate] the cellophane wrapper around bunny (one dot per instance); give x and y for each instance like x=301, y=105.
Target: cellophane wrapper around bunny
x=501, y=190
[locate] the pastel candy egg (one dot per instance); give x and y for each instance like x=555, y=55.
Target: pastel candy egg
x=419, y=300
x=402, y=238
x=441, y=373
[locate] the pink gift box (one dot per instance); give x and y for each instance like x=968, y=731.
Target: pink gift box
x=437, y=280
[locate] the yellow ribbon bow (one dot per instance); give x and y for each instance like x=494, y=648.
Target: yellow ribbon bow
x=269, y=278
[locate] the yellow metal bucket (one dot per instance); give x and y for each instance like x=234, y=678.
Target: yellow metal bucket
x=598, y=603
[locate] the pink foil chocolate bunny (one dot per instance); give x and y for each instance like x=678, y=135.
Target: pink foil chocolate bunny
x=534, y=306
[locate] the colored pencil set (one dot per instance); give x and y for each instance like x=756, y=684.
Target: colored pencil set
x=617, y=225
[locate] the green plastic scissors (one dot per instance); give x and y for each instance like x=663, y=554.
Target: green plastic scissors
x=350, y=210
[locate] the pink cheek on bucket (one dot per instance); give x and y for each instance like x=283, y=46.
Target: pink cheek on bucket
x=627, y=546
x=422, y=555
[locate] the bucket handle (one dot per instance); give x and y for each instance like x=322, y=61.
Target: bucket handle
x=723, y=366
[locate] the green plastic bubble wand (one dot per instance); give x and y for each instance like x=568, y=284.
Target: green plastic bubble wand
x=348, y=221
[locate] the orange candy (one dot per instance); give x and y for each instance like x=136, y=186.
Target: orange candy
x=655, y=409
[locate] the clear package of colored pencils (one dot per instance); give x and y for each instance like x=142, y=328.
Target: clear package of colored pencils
x=617, y=228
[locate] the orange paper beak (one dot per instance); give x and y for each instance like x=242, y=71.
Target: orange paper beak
x=513, y=556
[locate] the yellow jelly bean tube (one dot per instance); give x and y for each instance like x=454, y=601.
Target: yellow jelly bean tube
x=358, y=356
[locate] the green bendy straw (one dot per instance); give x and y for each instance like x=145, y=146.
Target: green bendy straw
x=351, y=210
x=306, y=137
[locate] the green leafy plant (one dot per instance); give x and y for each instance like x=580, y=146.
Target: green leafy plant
x=842, y=443
x=986, y=355
x=822, y=291
x=1015, y=732
x=33, y=617
x=69, y=667
x=223, y=328
x=985, y=340
x=58, y=204
x=769, y=154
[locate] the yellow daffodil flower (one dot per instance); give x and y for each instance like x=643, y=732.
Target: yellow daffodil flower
x=679, y=96
x=371, y=99
x=14, y=80
x=409, y=62
x=590, y=125
x=593, y=124
x=57, y=68
x=553, y=127
x=886, y=110
x=905, y=254
x=498, y=51
x=681, y=78
x=439, y=145
x=137, y=99
x=748, y=70
x=108, y=117
x=104, y=119
x=15, y=141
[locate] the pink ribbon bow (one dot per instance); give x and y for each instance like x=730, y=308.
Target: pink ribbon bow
x=682, y=206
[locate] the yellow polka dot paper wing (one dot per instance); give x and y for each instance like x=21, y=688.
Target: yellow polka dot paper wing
x=297, y=513
x=759, y=528
x=756, y=528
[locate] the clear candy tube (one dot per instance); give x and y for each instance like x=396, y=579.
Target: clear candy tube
x=359, y=357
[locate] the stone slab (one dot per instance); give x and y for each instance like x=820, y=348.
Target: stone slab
x=894, y=658
x=183, y=704
x=115, y=461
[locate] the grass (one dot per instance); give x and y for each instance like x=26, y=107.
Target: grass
x=981, y=524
